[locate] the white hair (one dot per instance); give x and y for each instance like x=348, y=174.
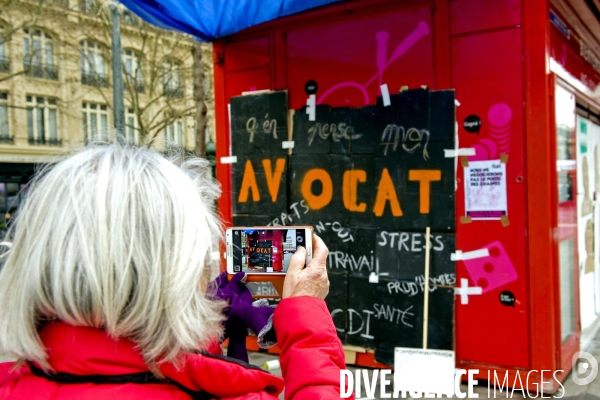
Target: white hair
x=120, y=238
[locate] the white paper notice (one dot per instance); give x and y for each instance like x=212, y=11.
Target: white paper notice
x=485, y=189
x=424, y=371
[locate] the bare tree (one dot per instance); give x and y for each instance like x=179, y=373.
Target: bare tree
x=162, y=91
x=158, y=71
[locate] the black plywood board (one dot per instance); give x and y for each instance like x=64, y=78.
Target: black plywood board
x=404, y=173
x=258, y=124
x=361, y=258
x=265, y=178
x=402, y=255
x=337, y=301
x=317, y=181
x=365, y=154
x=382, y=318
x=338, y=247
x=442, y=115
x=341, y=130
x=366, y=136
x=440, y=325
x=312, y=137
x=363, y=181
x=377, y=314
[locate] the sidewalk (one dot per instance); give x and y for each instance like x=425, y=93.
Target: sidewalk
x=591, y=391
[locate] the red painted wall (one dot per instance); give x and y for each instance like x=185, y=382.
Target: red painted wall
x=566, y=50
x=351, y=54
x=488, y=78
x=493, y=54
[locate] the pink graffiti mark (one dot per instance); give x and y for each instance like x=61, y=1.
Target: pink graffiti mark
x=485, y=149
x=499, y=116
x=493, y=271
x=563, y=55
x=499, y=119
x=381, y=61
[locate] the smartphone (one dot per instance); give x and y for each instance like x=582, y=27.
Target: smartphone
x=265, y=250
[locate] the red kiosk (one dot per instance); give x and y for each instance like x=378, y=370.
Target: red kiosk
x=525, y=72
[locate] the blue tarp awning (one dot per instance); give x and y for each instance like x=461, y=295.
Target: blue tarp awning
x=212, y=19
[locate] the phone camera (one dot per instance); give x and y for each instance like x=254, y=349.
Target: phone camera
x=299, y=239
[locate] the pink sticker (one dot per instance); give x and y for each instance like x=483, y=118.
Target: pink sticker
x=493, y=271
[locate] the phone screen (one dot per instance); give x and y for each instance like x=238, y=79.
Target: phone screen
x=265, y=250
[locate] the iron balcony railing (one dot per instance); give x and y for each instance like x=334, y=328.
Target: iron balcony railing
x=41, y=71
x=42, y=141
x=92, y=79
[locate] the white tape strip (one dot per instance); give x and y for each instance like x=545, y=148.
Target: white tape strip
x=469, y=255
x=456, y=103
x=464, y=291
x=449, y=153
x=252, y=92
x=373, y=278
x=311, y=107
x=229, y=116
x=287, y=144
x=229, y=160
x=385, y=95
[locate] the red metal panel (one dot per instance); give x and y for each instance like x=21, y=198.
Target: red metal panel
x=442, y=44
x=487, y=71
x=487, y=75
x=567, y=50
x=247, y=81
x=476, y=15
x=351, y=58
x=240, y=66
x=247, y=66
x=249, y=53
x=541, y=199
x=223, y=171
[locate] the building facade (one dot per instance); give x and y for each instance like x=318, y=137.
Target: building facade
x=56, y=84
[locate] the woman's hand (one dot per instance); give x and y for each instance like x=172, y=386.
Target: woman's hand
x=310, y=281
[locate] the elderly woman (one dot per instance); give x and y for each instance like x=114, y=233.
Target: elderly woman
x=104, y=290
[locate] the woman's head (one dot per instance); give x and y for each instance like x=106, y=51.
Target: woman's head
x=116, y=237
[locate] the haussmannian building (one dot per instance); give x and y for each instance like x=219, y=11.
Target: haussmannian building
x=56, y=85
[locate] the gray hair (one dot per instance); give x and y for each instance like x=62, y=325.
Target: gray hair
x=120, y=238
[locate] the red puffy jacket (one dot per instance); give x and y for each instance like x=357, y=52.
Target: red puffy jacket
x=311, y=360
